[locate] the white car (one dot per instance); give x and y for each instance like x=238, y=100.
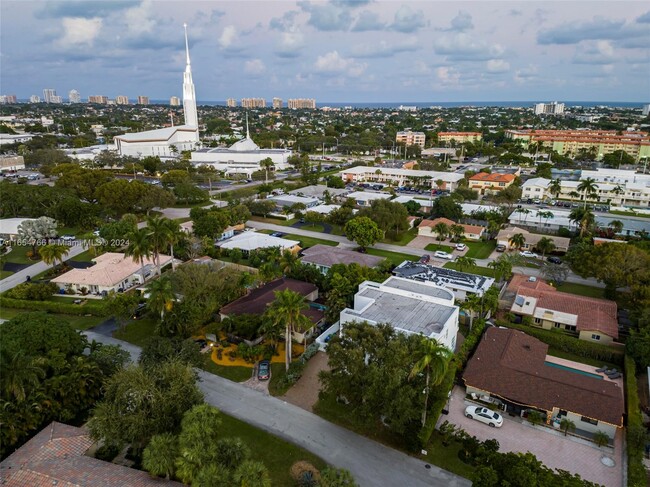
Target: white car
x=528, y=253
x=443, y=255
x=461, y=246
x=68, y=238
x=484, y=415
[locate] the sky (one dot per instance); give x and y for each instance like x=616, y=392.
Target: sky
x=336, y=51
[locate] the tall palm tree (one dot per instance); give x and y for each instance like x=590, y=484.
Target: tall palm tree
x=18, y=372
x=588, y=187
x=465, y=263
x=555, y=187
x=545, y=245
x=517, y=240
x=442, y=229
x=159, y=234
x=53, y=253
x=433, y=358
x=584, y=218
x=161, y=295
x=567, y=425
x=619, y=190
x=456, y=231
x=471, y=304
x=525, y=212
x=616, y=226
x=160, y=455
x=287, y=308
x=502, y=268
x=139, y=248
x=174, y=235
x=545, y=215
x=266, y=164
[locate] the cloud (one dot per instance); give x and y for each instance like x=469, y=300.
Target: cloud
x=462, y=22
x=79, y=31
x=594, y=52
x=463, y=47
x=497, y=66
x=407, y=20
x=527, y=74
x=328, y=16
x=515, y=12
x=286, y=22
x=368, y=21
x=598, y=28
x=351, y=3
x=81, y=8
x=384, y=49
x=227, y=37
x=644, y=19
x=254, y=66
x=334, y=63
x=448, y=75
x=292, y=40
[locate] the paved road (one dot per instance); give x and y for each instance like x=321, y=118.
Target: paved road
x=33, y=270
x=371, y=463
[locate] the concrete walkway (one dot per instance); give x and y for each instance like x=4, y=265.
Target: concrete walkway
x=371, y=463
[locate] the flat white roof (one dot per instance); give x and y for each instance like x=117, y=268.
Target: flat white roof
x=9, y=226
x=293, y=199
x=392, y=171
x=363, y=196
x=254, y=240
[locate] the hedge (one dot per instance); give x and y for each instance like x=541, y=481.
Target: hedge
x=54, y=307
x=636, y=473
x=569, y=344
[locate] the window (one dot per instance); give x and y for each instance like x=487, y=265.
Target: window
x=585, y=419
x=558, y=325
x=595, y=337
x=538, y=320
x=570, y=328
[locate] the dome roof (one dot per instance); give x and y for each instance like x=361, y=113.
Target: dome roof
x=244, y=145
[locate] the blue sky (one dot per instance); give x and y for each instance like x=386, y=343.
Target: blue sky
x=342, y=50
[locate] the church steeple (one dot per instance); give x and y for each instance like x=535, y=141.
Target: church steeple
x=248, y=134
x=189, y=96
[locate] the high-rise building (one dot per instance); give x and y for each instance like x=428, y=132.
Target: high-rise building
x=143, y=100
x=175, y=101
x=8, y=99
x=74, y=96
x=48, y=93
x=277, y=102
x=100, y=99
x=34, y=99
x=646, y=109
x=56, y=99
x=121, y=100
x=231, y=103
x=296, y=103
x=553, y=108
x=411, y=138
x=253, y=103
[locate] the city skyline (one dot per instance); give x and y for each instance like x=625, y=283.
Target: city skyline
x=337, y=51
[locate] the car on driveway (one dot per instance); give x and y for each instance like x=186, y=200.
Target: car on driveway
x=443, y=255
x=529, y=254
x=264, y=370
x=484, y=415
x=461, y=246
x=425, y=259
x=554, y=260
x=277, y=234
x=501, y=248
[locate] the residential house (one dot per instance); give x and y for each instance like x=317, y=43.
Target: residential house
x=410, y=307
x=426, y=228
x=288, y=200
x=486, y=183
x=425, y=203
x=514, y=369
x=229, y=231
x=536, y=188
x=532, y=239
x=590, y=319
x=57, y=456
x=249, y=241
x=364, y=199
x=401, y=177
x=323, y=257
x=112, y=271
x=9, y=226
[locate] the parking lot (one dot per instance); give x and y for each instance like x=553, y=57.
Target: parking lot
x=551, y=447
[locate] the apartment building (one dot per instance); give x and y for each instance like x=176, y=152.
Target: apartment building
x=277, y=102
x=601, y=142
x=101, y=99
x=410, y=138
x=253, y=103
x=34, y=99
x=402, y=177
x=121, y=100
x=298, y=103
x=231, y=103
x=175, y=101
x=48, y=94
x=74, y=96
x=143, y=100
x=8, y=99
x=486, y=183
x=553, y=108
x=459, y=137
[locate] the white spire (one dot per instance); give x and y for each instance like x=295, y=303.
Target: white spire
x=248, y=134
x=189, y=97
x=187, y=48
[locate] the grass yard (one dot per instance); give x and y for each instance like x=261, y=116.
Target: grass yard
x=582, y=290
x=447, y=456
x=78, y=322
x=433, y=247
x=395, y=258
x=307, y=242
x=18, y=255
x=233, y=373
x=481, y=271
x=480, y=250
x=313, y=227
x=4, y=274
x=137, y=332
x=85, y=256
x=274, y=221
x=278, y=371
x=276, y=454
x=404, y=238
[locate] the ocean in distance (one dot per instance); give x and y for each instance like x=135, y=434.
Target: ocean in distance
x=452, y=104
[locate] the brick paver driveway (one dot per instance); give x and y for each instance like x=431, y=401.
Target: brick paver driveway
x=552, y=448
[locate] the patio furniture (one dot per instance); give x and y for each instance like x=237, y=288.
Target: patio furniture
x=615, y=376
x=611, y=372
x=602, y=369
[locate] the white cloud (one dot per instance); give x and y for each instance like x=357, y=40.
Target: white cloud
x=334, y=63
x=139, y=19
x=384, y=49
x=594, y=52
x=228, y=36
x=448, y=75
x=254, y=66
x=497, y=66
x=464, y=47
x=79, y=31
x=527, y=74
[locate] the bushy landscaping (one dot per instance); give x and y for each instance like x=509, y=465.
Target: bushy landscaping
x=636, y=432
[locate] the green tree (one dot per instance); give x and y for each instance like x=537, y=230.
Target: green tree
x=336, y=477
x=363, y=231
x=567, y=425
x=252, y=474
x=465, y=263
x=109, y=358
x=267, y=165
x=121, y=306
x=20, y=373
x=589, y=189
x=161, y=295
x=616, y=226
x=583, y=218
x=545, y=246
x=159, y=457
x=160, y=235
x=618, y=158
x=139, y=248
x=447, y=207
x=555, y=187
x=456, y=232
x=472, y=304
x=442, y=229
x=390, y=217
x=53, y=253
x=288, y=308
x=601, y=438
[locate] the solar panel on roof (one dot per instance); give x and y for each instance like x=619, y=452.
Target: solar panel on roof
x=520, y=300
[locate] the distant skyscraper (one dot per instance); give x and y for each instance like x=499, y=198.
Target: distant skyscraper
x=100, y=99
x=121, y=100
x=74, y=96
x=231, y=103
x=56, y=99
x=554, y=108
x=646, y=109
x=143, y=100
x=296, y=103
x=8, y=99
x=189, y=96
x=34, y=99
x=277, y=102
x=253, y=102
x=175, y=101
x=48, y=93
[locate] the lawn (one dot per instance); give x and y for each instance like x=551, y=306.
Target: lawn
x=434, y=247
x=306, y=242
x=4, y=274
x=278, y=371
x=137, y=332
x=582, y=290
x=85, y=256
x=313, y=227
x=233, y=373
x=18, y=255
x=481, y=271
x=404, y=237
x=78, y=322
x=276, y=454
x=447, y=456
x=480, y=250
x=274, y=221
x=395, y=258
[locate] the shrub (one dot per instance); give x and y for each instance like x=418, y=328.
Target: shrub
x=107, y=452
x=300, y=468
x=39, y=291
x=636, y=436
x=54, y=307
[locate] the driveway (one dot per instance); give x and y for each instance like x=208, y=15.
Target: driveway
x=304, y=393
x=551, y=447
x=371, y=463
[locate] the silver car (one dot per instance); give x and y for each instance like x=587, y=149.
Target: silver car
x=484, y=415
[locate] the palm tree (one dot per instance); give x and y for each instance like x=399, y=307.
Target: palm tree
x=588, y=187
x=555, y=187
x=523, y=211
x=574, y=194
x=545, y=215
x=616, y=226
x=619, y=190
x=52, y=253
x=583, y=217
x=18, y=372
x=252, y=474
x=174, y=235
x=160, y=455
x=545, y=245
x=567, y=425
x=517, y=240
x=288, y=262
x=502, y=268
x=456, y=231
x=266, y=164
x=463, y=263
x=442, y=229
x=159, y=234
x=287, y=309
x=471, y=304
x=601, y=438
x=161, y=295
x=433, y=358
x=139, y=248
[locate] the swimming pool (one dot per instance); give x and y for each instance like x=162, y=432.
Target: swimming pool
x=582, y=372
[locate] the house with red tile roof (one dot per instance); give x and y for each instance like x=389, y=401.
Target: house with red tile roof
x=471, y=232
x=590, y=319
x=514, y=369
x=486, y=183
x=57, y=456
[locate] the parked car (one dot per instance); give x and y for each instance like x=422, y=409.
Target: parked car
x=461, y=246
x=529, y=254
x=425, y=259
x=140, y=310
x=501, y=248
x=554, y=260
x=443, y=255
x=484, y=415
x=68, y=238
x=264, y=370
